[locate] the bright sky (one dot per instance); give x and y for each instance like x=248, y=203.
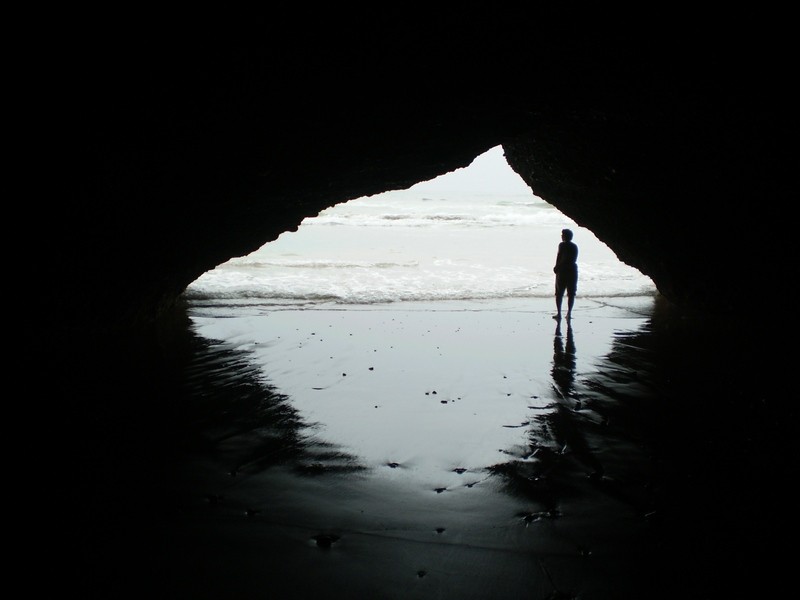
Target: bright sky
x=489, y=173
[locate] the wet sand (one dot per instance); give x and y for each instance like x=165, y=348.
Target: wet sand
x=447, y=450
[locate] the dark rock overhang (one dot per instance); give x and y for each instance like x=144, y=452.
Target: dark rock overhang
x=185, y=155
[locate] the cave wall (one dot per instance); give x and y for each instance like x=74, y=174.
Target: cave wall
x=183, y=155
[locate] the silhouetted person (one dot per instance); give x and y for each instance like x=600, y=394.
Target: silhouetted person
x=566, y=271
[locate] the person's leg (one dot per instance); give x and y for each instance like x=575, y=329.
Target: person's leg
x=572, y=290
x=559, y=299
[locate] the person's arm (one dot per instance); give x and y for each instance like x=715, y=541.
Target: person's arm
x=558, y=259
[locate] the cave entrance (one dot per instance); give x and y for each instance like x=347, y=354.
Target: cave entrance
x=475, y=233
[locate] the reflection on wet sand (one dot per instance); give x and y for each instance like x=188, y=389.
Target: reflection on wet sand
x=576, y=459
x=566, y=468
x=677, y=434
x=564, y=361
x=240, y=421
x=661, y=471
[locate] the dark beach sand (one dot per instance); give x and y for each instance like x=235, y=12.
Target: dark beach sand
x=465, y=450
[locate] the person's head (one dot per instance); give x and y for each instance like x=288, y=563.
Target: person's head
x=566, y=235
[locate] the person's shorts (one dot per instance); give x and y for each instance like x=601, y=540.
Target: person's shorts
x=567, y=282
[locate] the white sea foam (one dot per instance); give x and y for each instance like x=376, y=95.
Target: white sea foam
x=439, y=240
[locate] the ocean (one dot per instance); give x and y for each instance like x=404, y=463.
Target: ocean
x=477, y=233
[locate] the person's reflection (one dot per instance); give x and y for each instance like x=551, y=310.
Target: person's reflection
x=563, y=361
x=566, y=423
